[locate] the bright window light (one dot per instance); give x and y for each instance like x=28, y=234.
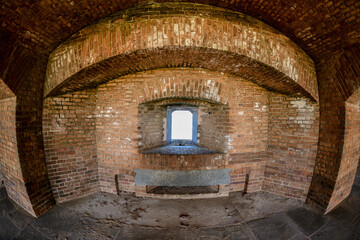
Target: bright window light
x=181, y=125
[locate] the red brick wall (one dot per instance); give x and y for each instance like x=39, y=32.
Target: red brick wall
x=351, y=152
x=5, y=142
x=116, y=129
x=152, y=122
x=1, y=178
x=23, y=72
x=345, y=74
x=331, y=132
x=247, y=163
x=117, y=120
x=9, y=158
x=259, y=132
x=319, y=41
x=30, y=138
x=338, y=79
x=213, y=122
x=249, y=116
x=292, y=145
x=214, y=126
x=70, y=144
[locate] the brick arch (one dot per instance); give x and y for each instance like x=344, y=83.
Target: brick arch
x=228, y=42
x=169, y=83
x=208, y=91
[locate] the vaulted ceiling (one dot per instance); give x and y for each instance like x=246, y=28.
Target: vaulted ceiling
x=320, y=28
x=327, y=30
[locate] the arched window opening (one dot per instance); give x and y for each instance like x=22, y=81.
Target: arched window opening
x=181, y=123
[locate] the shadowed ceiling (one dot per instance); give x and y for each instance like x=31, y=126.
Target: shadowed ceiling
x=320, y=28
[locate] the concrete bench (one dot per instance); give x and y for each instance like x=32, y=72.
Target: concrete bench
x=147, y=177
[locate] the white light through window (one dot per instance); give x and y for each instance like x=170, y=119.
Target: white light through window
x=181, y=125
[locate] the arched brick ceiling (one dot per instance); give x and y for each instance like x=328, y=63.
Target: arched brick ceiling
x=150, y=36
x=321, y=28
x=215, y=60
x=347, y=74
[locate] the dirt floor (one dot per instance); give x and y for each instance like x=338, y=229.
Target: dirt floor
x=253, y=216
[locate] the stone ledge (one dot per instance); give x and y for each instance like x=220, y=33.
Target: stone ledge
x=182, y=178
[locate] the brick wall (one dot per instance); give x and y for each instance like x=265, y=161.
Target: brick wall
x=338, y=79
x=70, y=144
x=23, y=73
x=357, y=177
x=318, y=41
x=117, y=129
x=292, y=145
x=241, y=119
x=214, y=126
x=331, y=137
x=213, y=121
x=249, y=118
x=268, y=138
x=257, y=131
x=7, y=143
x=9, y=158
x=29, y=135
x=346, y=76
x=152, y=122
x=351, y=151
x=247, y=164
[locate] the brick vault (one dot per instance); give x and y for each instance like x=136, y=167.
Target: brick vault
x=85, y=87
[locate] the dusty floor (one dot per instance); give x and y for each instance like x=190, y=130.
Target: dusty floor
x=254, y=216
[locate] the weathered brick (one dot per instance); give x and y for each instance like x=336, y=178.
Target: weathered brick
x=254, y=44
x=238, y=118
x=326, y=31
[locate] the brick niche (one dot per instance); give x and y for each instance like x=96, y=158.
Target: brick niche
x=94, y=138
x=213, y=117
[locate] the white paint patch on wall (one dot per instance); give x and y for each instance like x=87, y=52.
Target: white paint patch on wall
x=298, y=103
x=305, y=113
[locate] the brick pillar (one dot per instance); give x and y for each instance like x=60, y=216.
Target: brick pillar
x=30, y=139
x=339, y=141
x=23, y=161
x=9, y=158
x=331, y=139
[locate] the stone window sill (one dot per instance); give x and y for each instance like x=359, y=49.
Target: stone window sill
x=181, y=147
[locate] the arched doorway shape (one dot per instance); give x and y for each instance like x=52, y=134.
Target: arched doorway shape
x=125, y=44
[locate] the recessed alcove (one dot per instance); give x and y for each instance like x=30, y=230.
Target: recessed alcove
x=112, y=130
x=254, y=96
x=78, y=83
x=183, y=126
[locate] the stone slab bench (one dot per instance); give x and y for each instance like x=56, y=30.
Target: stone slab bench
x=147, y=177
